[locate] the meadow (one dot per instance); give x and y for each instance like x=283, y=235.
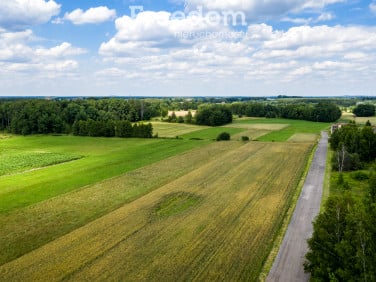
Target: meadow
x=149, y=209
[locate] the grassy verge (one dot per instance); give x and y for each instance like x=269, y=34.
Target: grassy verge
x=328, y=171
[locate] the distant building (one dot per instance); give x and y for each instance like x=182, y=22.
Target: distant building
x=336, y=127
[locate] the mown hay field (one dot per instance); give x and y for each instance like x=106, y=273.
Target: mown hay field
x=303, y=137
x=360, y=120
x=215, y=221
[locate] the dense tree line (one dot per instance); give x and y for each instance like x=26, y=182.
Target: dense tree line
x=320, y=112
x=110, y=128
x=364, y=110
x=353, y=146
x=213, y=115
x=37, y=116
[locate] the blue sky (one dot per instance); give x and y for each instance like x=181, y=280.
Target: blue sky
x=187, y=48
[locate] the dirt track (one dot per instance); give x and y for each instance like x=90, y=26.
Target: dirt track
x=288, y=265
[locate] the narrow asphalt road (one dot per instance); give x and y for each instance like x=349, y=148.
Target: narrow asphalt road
x=288, y=265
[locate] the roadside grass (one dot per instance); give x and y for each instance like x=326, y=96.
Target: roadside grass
x=295, y=126
x=244, y=190
x=171, y=130
x=327, y=177
x=212, y=133
x=102, y=158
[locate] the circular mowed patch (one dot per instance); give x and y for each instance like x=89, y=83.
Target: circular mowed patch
x=174, y=204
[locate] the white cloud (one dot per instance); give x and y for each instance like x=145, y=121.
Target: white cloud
x=151, y=32
x=90, y=16
x=64, y=50
x=19, y=14
x=262, y=54
x=372, y=7
x=323, y=17
x=18, y=55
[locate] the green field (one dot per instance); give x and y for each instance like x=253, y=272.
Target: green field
x=78, y=208
x=15, y=160
x=290, y=128
x=101, y=159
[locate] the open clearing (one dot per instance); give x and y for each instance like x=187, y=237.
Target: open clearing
x=360, y=120
x=287, y=130
x=205, y=215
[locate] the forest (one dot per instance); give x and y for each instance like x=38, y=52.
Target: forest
x=319, y=112
x=86, y=117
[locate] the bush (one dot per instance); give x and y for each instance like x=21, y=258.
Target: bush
x=224, y=136
x=364, y=110
x=245, y=138
x=359, y=175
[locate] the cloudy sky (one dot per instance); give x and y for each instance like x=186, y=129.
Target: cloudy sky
x=187, y=48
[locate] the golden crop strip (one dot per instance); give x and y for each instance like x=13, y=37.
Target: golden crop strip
x=227, y=235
